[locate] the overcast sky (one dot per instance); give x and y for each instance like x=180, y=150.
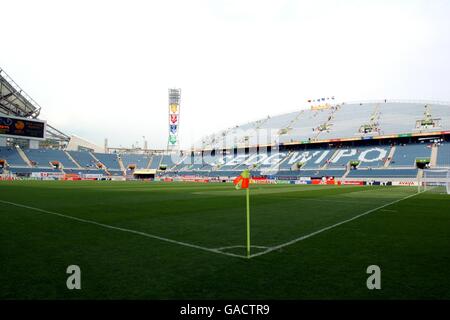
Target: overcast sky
x=102, y=68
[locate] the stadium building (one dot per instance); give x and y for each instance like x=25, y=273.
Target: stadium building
x=376, y=142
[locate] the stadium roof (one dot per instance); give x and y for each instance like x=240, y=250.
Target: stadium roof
x=15, y=101
x=338, y=122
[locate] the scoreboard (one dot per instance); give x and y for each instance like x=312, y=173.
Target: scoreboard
x=16, y=127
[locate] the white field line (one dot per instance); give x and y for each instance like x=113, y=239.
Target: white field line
x=330, y=227
x=240, y=246
x=333, y=201
x=265, y=191
x=124, y=230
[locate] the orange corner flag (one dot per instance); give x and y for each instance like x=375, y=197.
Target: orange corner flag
x=243, y=180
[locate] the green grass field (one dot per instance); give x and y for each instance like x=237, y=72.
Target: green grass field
x=141, y=240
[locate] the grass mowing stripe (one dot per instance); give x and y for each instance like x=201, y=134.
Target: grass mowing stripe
x=148, y=235
x=331, y=200
x=330, y=227
x=262, y=191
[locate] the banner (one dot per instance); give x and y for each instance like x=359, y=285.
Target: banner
x=174, y=118
x=172, y=139
x=352, y=183
x=405, y=183
x=43, y=175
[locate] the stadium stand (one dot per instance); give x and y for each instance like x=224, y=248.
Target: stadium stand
x=196, y=166
x=44, y=157
x=330, y=141
x=263, y=161
x=184, y=164
x=109, y=160
x=116, y=173
x=284, y=163
x=321, y=173
x=339, y=124
x=139, y=161
x=373, y=156
x=443, y=156
x=406, y=155
x=369, y=156
x=170, y=161
x=12, y=157
x=340, y=121
x=226, y=173
x=232, y=161
x=84, y=159
x=383, y=173
x=156, y=160
x=314, y=158
x=305, y=127
x=198, y=163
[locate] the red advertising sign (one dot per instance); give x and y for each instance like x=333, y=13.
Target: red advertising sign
x=353, y=183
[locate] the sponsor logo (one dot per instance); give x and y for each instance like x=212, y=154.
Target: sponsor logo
x=353, y=183
x=405, y=183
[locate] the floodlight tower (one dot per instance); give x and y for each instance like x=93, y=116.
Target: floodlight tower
x=174, y=119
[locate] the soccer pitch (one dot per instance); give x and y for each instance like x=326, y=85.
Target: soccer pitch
x=141, y=240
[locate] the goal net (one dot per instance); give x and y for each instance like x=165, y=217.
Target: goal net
x=436, y=180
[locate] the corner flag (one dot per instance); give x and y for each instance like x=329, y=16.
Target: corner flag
x=243, y=182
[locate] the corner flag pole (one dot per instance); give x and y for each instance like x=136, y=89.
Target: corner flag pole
x=248, y=222
x=243, y=182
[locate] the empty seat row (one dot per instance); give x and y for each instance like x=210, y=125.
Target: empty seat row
x=45, y=158
x=12, y=157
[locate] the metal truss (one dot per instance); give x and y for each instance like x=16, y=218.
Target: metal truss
x=16, y=102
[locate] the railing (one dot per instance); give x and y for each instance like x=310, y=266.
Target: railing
x=21, y=92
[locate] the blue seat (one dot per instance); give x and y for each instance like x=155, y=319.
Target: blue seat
x=44, y=157
x=443, y=156
x=83, y=158
x=156, y=160
x=383, y=173
x=109, y=160
x=406, y=155
x=139, y=161
x=12, y=157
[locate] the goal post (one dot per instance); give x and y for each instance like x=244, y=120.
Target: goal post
x=437, y=180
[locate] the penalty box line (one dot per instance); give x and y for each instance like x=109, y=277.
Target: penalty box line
x=140, y=233
x=280, y=246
